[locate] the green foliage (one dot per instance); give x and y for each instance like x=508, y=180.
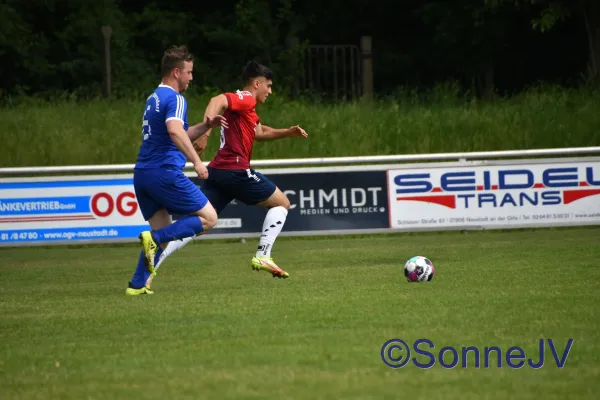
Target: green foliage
x=257, y=30
x=553, y=11
x=102, y=132
x=462, y=29
x=22, y=49
x=55, y=48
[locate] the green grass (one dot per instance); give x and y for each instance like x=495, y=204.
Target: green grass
x=101, y=132
x=215, y=329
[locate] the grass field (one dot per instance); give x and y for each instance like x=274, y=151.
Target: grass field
x=216, y=329
x=109, y=132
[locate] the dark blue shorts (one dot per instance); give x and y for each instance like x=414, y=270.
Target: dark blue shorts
x=169, y=189
x=248, y=186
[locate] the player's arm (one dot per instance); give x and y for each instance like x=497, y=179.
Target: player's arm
x=216, y=105
x=264, y=132
x=176, y=107
x=180, y=137
x=194, y=132
x=214, y=108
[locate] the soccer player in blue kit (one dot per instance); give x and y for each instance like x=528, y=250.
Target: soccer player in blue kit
x=161, y=187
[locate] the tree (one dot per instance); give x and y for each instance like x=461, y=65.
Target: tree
x=256, y=29
x=555, y=11
x=472, y=39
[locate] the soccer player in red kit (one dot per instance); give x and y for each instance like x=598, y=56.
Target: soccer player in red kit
x=229, y=173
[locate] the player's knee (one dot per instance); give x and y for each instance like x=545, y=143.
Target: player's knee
x=285, y=202
x=281, y=200
x=209, y=220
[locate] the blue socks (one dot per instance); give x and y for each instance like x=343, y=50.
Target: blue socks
x=185, y=227
x=182, y=228
x=142, y=274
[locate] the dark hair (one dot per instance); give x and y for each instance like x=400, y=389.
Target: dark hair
x=254, y=70
x=174, y=58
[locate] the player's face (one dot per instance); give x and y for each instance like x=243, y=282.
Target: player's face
x=184, y=75
x=263, y=90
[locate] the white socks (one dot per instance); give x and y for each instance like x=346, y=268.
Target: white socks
x=274, y=221
x=172, y=247
x=272, y=226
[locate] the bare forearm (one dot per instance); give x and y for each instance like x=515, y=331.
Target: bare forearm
x=183, y=143
x=269, y=133
x=197, y=131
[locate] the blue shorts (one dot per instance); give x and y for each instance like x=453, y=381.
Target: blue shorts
x=248, y=186
x=166, y=188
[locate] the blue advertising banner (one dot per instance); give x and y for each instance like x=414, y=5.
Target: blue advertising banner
x=335, y=200
x=58, y=210
x=103, y=209
x=319, y=201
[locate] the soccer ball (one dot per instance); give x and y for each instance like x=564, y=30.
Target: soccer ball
x=419, y=269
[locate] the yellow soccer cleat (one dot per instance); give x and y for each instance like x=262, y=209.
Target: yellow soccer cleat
x=150, y=247
x=131, y=291
x=267, y=264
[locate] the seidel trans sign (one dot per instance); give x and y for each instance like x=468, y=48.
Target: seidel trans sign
x=488, y=196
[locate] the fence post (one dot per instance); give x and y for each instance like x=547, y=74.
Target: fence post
x=107, y=33
x=367, y=66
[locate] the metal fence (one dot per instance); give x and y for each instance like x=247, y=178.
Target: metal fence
x=322, y=161
x=333, y=71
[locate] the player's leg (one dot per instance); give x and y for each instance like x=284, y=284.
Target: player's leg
x=156, y=216
x=166, y=249
x=171, y=248
x=259, y=190
x=278, y=205
x=219, y=201
x=182, y=198
x=186, y=227
x=139, y=283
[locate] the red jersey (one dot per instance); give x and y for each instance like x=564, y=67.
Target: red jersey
x=237, y=140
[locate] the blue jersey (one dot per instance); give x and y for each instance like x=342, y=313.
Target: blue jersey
x=157, y=149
